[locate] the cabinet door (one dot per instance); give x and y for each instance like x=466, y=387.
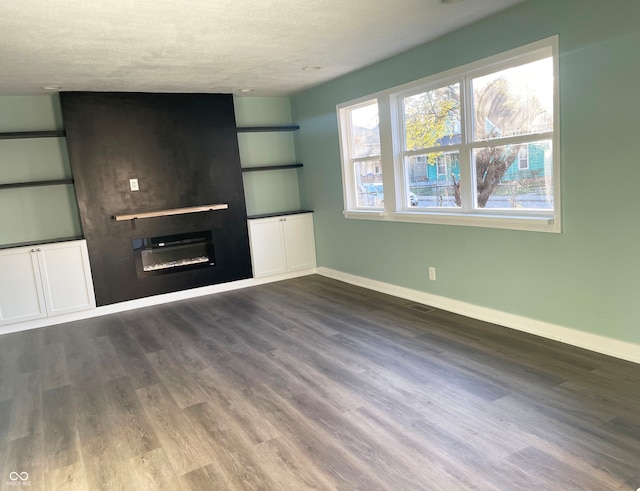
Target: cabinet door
x=267, y=246
x=21, y=296
x=66, y=277
x=299, y=240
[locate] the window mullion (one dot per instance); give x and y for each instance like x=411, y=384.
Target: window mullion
x=467, y=178
x=513, y=140
x=386, y=153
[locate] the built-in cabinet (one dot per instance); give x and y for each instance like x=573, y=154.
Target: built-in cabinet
x=282, y=244
x=44, y=280
x=281, y=233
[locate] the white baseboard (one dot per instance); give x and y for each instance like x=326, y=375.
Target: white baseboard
x=593, y=342
x=150, y=301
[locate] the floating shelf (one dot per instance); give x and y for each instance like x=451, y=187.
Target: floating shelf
x=272, y=167
x=53, y=182
x=278, y=214
x=32, y=134
x=255, y=129
x=171, y=211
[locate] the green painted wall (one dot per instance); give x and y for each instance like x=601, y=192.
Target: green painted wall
x=584, y=278
x=33, y=214
x=30, y=113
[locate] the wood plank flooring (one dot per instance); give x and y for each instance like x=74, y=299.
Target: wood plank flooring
x=310, y=384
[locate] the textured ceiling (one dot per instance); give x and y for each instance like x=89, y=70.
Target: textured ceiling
x=211, y=45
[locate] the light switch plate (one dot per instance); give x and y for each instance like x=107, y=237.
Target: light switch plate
x=133, y=184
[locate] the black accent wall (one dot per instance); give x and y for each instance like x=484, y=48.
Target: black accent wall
x=183, y=149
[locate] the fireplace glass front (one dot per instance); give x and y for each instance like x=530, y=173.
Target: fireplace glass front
x=173, y=253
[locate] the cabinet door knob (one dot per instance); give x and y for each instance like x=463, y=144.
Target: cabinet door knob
x=39, y=250
x=33, y=250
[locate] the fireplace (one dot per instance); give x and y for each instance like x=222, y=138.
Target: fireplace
x=173, y=253
x=186, y=148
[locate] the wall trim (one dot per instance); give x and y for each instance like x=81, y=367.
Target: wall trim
x=593, y=342
x=150, y=301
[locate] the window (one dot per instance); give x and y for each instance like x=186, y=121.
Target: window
x=361, y=139
x=432, y=133
x=512, y=108
x=523, y=158
x=475, y=146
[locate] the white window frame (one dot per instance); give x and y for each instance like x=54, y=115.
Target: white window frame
x=396, y=205
x=348, y=162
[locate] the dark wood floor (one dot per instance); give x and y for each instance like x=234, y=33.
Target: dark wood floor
x=310, y=384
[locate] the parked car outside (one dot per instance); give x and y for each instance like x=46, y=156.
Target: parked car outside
x=413, y=199
x=375, y=195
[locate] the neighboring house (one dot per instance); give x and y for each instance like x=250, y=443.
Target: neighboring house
x=529, y=164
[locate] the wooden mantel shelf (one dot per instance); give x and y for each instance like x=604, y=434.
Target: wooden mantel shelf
x=171, y=211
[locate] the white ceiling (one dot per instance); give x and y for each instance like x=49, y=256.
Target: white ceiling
x=211, y=45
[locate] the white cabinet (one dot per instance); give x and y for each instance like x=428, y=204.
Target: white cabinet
x=282, y=244
x=21, y=293
x=44, y=280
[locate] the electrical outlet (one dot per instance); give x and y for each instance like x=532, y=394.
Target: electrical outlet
x=133, y=184
x=432, y=273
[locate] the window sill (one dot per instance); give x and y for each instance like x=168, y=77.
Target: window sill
x=365, y=214
x=511, y=222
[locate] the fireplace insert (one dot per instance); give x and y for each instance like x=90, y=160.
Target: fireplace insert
x=173, y=253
